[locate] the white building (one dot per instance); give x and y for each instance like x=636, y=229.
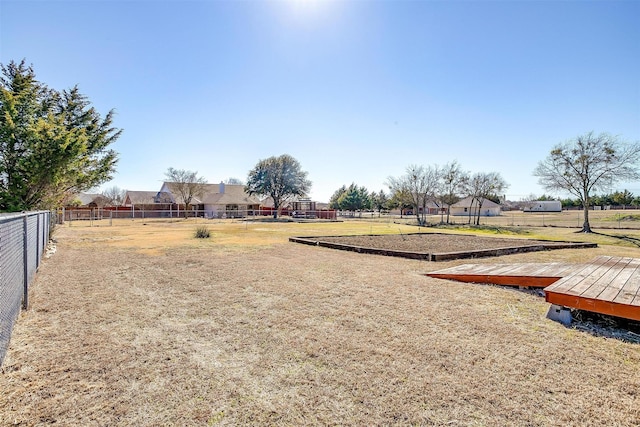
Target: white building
x=469, y=207
x=543, y=206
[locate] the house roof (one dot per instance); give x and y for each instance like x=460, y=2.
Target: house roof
x=432, y=204
x=466, y=203
x=233, y=194
x=140, y=197
x=217, y=194
x=87, y=199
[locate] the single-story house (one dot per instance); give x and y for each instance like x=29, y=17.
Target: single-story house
x=216, y=200
x=469, y=207
x=148, y=204
x=432, y=208
x=299, y=207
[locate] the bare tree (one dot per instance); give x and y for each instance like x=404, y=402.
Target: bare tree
x=587, y=164
x=234, y=181
x=114, y=196
x=420, y=185
x=187, y=184
x=482, y=186
x=454, y=182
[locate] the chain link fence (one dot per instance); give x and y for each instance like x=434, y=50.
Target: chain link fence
x=599, y=218
x=23, y=239
x=105, y=216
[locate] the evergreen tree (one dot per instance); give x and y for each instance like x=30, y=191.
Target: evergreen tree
x=52, y=144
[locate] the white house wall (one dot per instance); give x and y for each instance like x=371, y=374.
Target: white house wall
x=211, y=211
x=218, y=211
x=544, y=206
x=484, y=212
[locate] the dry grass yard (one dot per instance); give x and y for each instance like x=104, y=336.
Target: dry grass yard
x=141, y=324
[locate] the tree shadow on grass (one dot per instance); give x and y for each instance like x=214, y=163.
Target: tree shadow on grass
x=630, y=239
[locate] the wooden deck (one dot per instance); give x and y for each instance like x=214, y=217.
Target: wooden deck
x=525, y=274
x=606, y=285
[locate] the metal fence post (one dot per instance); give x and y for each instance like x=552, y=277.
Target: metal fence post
x=38, y=241
x=25, y=249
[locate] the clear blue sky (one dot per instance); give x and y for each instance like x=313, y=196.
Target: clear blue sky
x=355, y=90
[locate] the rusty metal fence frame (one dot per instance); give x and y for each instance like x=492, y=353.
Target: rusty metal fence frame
x=23, y=240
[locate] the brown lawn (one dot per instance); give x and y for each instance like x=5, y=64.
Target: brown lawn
x=143, y=325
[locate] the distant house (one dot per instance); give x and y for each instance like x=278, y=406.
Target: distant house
x=298, y=207
x=86, y=200
x=217, y=200
x=83, y=206
x=469, y=207
x=267, y=202
x=543, y=206
x=140, y=198
x=432, y=208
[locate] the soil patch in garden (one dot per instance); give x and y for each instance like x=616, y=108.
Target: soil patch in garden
x=436, y=246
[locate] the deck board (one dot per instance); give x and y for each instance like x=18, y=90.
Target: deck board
x=606, y=285
x=582, y=278
x=630, y=292
x=611, y=292
x=608, y=278
x=611, y=288
x=521, y=274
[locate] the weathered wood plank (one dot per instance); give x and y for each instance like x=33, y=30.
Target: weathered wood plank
x=601, y=289
x=504, y=269
x=606, y=285
x=524, y=274
x=555, y=269
x=469, y=268
x=607, y=278
x=630, y=292
x=532, y=269
x=613, y=289
x=528, y=281
x=528, y=269
x=581, y=279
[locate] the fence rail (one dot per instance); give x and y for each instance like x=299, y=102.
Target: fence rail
x=23, y=239
x=87, y=215
x=605, y=219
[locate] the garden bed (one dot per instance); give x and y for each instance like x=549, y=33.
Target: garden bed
x=436, y=246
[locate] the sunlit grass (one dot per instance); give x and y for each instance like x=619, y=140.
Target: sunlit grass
x=623, y=217
x=159, y=235
x=164, y=235
x=245, y=327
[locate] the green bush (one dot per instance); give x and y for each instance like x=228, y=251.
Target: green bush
x=202, y=232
